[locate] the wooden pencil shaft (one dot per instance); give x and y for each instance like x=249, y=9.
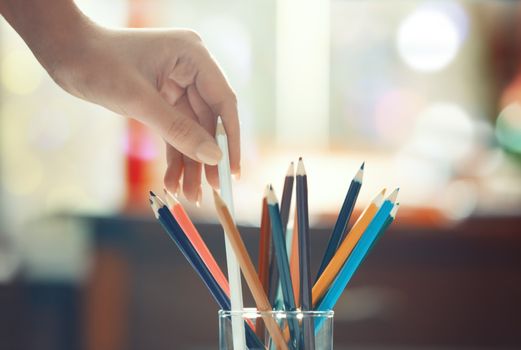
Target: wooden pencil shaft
x=234, y=273
x=281, y=256
x=343, y=252
x=304, y=260
x=264, y=246
x=195, y=238
x=304, y=248
x=285, y=203
x=356, y=257
x=175, y=232
x=279, y=242
x=249, y=271
x=340, y=225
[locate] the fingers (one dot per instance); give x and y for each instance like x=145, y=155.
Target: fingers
x=174, y=170
x=219, y=96
x=208, y=120
x=192, y=180
x=178, y=128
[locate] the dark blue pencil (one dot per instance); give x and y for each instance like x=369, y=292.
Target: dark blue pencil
x=176, y=233
x=340, y=228
x=281, y=256
x=306, y=302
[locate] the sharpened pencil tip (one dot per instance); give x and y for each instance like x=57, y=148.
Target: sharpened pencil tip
x=271, y=197
x=378, y=200
x=393, y=196
x=291, y=170
x=359, y=177
x=301, y=171
x=363, y=166
x=266, y=191
x=152, y=194
x=394, y=211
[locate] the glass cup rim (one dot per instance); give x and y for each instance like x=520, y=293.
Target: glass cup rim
x=254, y=313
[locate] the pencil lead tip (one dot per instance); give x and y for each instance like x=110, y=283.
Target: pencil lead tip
x=291, y=170
x=301, y=170
x=394, y=211
x=152, y=194
x=363, y=166
x=271, y=197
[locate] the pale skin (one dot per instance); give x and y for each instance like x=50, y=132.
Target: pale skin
x=166, y=79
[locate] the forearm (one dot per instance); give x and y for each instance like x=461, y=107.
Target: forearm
x=48, y=27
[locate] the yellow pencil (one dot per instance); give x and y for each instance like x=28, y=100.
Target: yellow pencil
x=248, y=270
x=345, y=248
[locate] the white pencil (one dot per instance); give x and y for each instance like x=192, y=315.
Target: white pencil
x=234, y=271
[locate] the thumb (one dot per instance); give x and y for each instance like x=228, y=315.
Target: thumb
x=179, y=130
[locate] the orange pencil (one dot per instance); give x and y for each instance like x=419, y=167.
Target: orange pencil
x=195, y=238
x=345, y=248
x=264, y=255
x=248, y=270
x=264, y=244
x=294, y=262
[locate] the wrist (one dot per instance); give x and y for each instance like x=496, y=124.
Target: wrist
x=51, y=29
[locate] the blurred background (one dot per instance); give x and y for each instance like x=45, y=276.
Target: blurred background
x=426, y=92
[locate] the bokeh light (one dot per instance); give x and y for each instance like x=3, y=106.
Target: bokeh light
x=444, y=131
x=428, y=40
x=20, y=72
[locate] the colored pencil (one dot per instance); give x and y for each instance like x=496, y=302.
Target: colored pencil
x=357, y=256
x=285, y=205
x=197, y=241
x=346, y=247
x=387, y=223
x=340, y=227
x=304, y=254
x=264, y=255
x=248, y=270
x=175, y=232
x=294, y=261
x=282, y=261
x=234, y=273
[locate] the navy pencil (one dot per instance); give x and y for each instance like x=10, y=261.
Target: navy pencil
x=306, y=302
x=176, y=233
x=340, y=228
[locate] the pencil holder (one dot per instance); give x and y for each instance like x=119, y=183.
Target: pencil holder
x=298, y=330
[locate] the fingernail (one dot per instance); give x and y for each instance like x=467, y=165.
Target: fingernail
x=208, y=153
x=237, y=175
x=199, y=197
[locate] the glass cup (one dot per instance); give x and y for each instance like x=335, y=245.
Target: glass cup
x=277, y=330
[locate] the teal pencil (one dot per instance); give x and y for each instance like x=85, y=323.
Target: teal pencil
x=359, y=252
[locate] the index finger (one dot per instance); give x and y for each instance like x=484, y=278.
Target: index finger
x=219, y=96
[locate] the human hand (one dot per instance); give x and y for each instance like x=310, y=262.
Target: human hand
x=166, y=79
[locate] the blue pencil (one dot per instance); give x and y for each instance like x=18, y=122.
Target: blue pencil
x=357, y=256
x=281, y=256
x=175, y=232
x=340, y=228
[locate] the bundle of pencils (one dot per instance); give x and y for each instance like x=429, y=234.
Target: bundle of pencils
x=283, y=280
